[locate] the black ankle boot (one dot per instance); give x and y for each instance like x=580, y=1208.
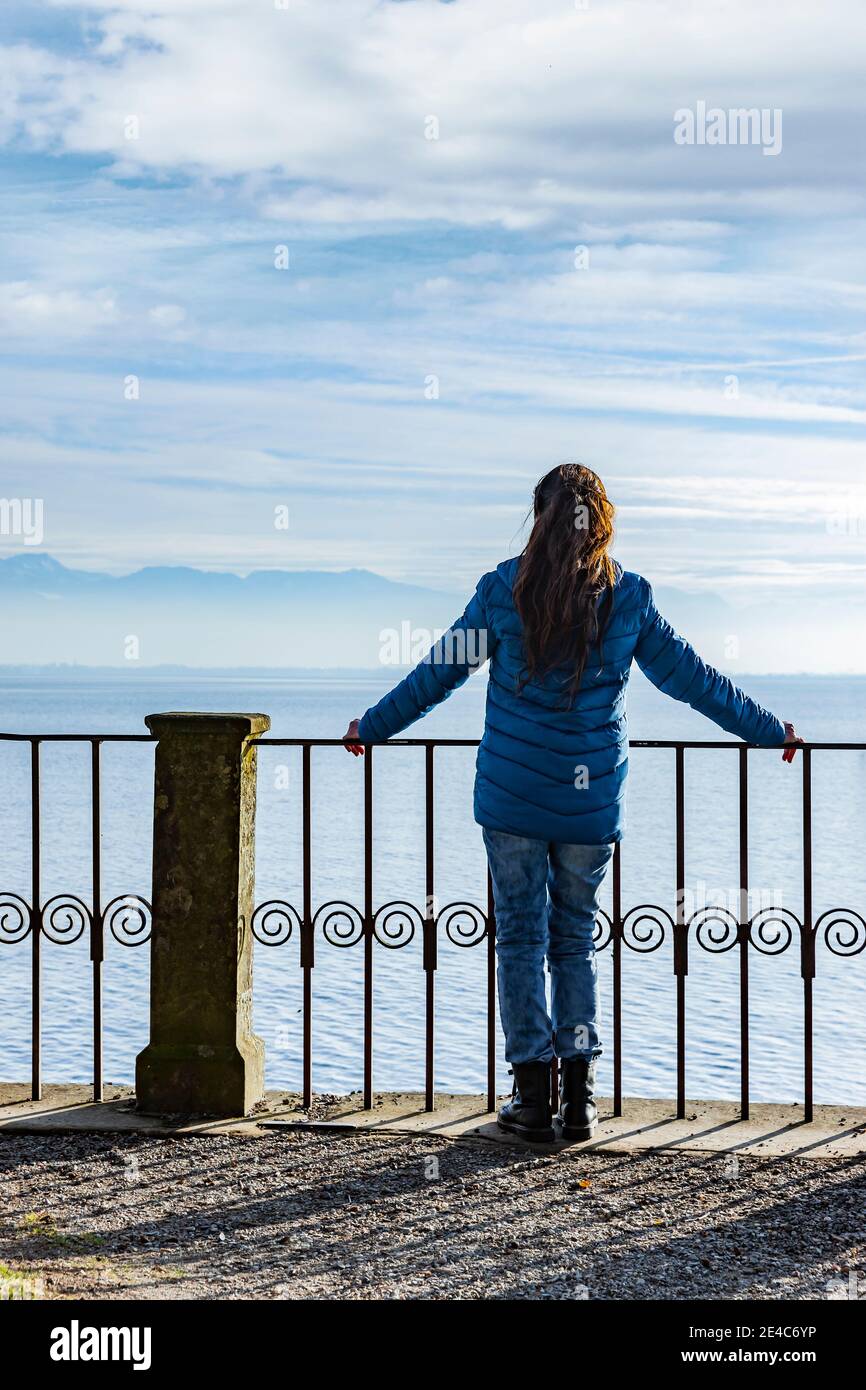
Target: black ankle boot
x=578, y=1113
x=528, y=1113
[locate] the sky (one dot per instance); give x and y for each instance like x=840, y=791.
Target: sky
x=375, y=267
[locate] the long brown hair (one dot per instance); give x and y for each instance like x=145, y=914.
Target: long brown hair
x=563, y=572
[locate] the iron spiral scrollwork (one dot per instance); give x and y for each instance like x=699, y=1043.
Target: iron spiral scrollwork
x=15, y=919
x=844, y=931
x=464, y=923
x=602, y=932
x=129, y=919
x=341, y=923
x=273, y=923
x=772, y=930
x=395, y=924
x=65, y=918
x=716, y=928
x=644, y=927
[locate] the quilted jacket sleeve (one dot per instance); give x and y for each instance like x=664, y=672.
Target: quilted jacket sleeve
x=676, y=669
x=464, y=648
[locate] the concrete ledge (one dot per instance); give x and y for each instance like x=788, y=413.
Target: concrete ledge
x=709, y=1127
x=70, y=1109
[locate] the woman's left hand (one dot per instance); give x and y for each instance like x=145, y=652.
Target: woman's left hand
x=350, y=738
x=792, y=740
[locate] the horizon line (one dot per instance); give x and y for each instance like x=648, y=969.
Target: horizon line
x=169, y=668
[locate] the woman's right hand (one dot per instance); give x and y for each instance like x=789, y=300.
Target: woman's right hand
x=791, y=742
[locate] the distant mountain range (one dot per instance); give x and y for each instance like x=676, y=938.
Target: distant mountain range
x=42, y=576
x=161, y=615
x=177, y=614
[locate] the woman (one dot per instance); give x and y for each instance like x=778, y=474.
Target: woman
x=561, y=625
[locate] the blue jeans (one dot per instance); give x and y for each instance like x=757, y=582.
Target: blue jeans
x=546, y=900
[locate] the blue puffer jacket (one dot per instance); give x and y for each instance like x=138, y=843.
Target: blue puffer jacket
x=545, y=771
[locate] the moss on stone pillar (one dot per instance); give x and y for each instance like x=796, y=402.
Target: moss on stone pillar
x=203, y=1057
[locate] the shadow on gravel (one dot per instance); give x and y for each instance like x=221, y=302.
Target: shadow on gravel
x=351, y=1216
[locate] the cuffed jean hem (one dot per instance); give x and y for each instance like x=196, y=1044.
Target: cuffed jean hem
x=546, y=1057
x=589, y=1054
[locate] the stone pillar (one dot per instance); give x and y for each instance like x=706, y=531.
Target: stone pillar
x=203, y=1057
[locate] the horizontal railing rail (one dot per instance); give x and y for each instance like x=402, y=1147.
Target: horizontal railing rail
x=474, y=742
x=642, y=928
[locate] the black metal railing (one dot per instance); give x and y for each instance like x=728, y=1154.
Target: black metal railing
x=643, y=928
x=64, y=918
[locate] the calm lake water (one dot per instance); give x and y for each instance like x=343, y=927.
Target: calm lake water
x=828, y=708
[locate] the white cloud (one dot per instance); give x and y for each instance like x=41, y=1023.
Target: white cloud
x=545, y=113
x=167, y=315
x=194, y=470
x=38, y=310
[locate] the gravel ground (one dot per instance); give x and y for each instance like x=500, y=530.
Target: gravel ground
x=315, y=1215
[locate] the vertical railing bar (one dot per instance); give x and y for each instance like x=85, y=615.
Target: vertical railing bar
x=96, y=941
x=616, y=946
x=429, y=929
x=307, y=943
x=743, y=932
x=491, y=995
x=368, y=928
x=35, y=926
x=807, y=942
x=680, y=961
